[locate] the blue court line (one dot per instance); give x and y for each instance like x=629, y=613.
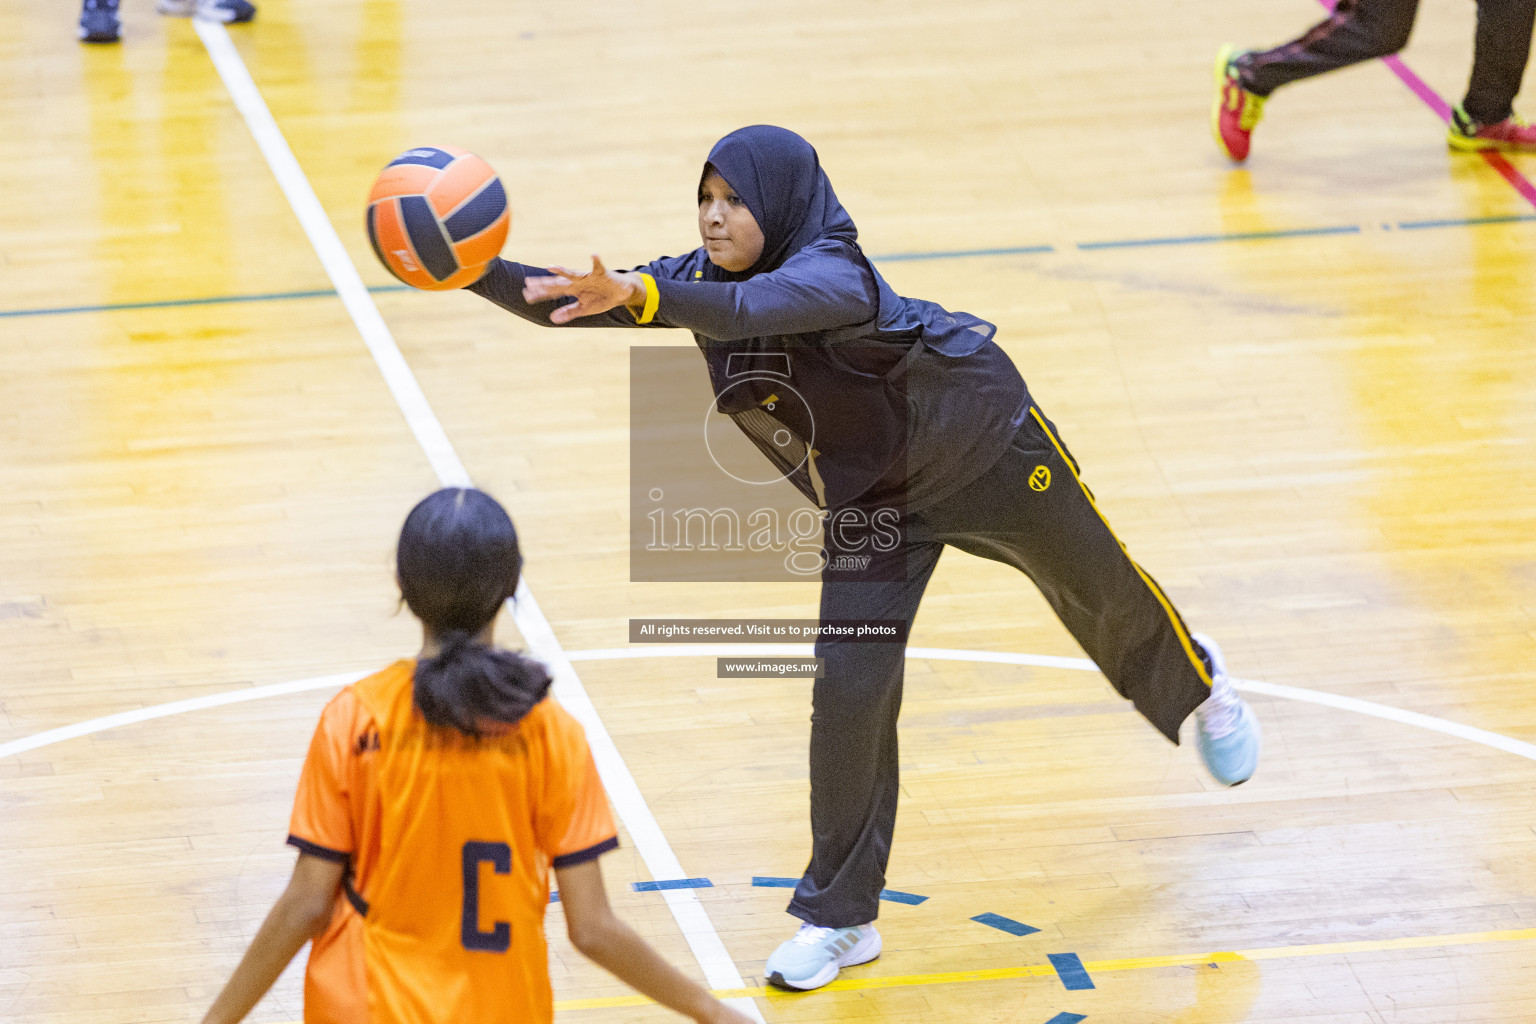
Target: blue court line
x=1067, y=1018
x=673, y=883
x=911, y=899
x=1070, y=970
x=554, y=897
x=899, y=257
x=1240, y=236
x=955, y=254
x=1005, y=924
x=1463, y=222
x=213, y=300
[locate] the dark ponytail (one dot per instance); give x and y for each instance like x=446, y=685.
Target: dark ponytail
x=457, y=562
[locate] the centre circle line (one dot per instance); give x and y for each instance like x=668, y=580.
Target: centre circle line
x=1472, y=734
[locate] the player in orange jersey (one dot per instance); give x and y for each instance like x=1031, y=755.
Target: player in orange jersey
x=435, y=798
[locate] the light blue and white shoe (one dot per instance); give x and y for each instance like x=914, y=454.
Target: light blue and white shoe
x=213, y=10
x=1228, y=730
x=815, y=955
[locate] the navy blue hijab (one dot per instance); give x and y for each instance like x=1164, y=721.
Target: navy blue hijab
x=859, y=378
x=779, y=177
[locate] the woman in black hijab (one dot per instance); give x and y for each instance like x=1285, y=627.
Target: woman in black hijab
x=920, y=416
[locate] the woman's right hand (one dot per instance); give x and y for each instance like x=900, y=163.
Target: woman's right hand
x=595, y=292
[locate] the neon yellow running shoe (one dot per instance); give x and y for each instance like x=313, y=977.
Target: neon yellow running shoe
x=1512, y=133
x=1236, y=110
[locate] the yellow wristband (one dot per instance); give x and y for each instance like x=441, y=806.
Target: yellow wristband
x=652, y=300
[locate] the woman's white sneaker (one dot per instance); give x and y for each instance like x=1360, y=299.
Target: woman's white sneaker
x=815, y=955
x=1228, y=730
x=213, y=10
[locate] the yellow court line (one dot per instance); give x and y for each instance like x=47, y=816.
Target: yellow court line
x=1097, y=966
x=1093, y=967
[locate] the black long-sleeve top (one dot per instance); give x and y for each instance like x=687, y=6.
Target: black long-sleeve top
x=910, y=402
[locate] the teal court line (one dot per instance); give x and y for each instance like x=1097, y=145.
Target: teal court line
x=1242, y=236
x=212, y=300
x=1415, y=225
x=898, y=257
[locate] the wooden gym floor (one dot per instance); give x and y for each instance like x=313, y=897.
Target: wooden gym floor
x=1303, y=391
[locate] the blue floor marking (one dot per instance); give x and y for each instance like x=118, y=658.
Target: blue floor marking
x=1242, y=236
x=674, y=883
x=554, y=897
x=1006, y=924
x=1067, y=1018
x=896, y=257
x=1070, y=970
x=955, y=254
x=215, y=300
x=1462, y=222
x=911, y=899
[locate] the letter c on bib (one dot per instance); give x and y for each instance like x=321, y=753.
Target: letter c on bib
x=499, y=856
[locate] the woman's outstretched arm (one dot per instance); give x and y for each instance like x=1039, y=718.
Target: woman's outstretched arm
x=826, y=286
x=297, y=916
x=505, y=282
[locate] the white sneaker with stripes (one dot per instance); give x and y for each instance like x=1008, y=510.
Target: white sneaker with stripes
x=1228, y=735
x=213, y=10
x=815, y=955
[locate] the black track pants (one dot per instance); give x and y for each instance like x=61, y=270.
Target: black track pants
x=1360, y=30
x=1055, y=535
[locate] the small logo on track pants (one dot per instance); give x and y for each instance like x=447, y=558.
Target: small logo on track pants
x=1040, y=479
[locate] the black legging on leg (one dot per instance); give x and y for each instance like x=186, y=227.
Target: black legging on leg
x=854, y=779
x=1357, y=30
x=1050, y=530
x=1360, y=30
x=1499, y=58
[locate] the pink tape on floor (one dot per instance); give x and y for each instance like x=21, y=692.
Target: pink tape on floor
x=1434, y=101
x=1521, y=183
x=1411, y=79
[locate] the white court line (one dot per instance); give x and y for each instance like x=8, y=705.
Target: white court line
x=179, y=707
x=1497, y=741
x=333, y=255
x=719, y=968
x=805, y=651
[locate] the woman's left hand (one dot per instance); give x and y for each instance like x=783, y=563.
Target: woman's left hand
x=595, y=292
